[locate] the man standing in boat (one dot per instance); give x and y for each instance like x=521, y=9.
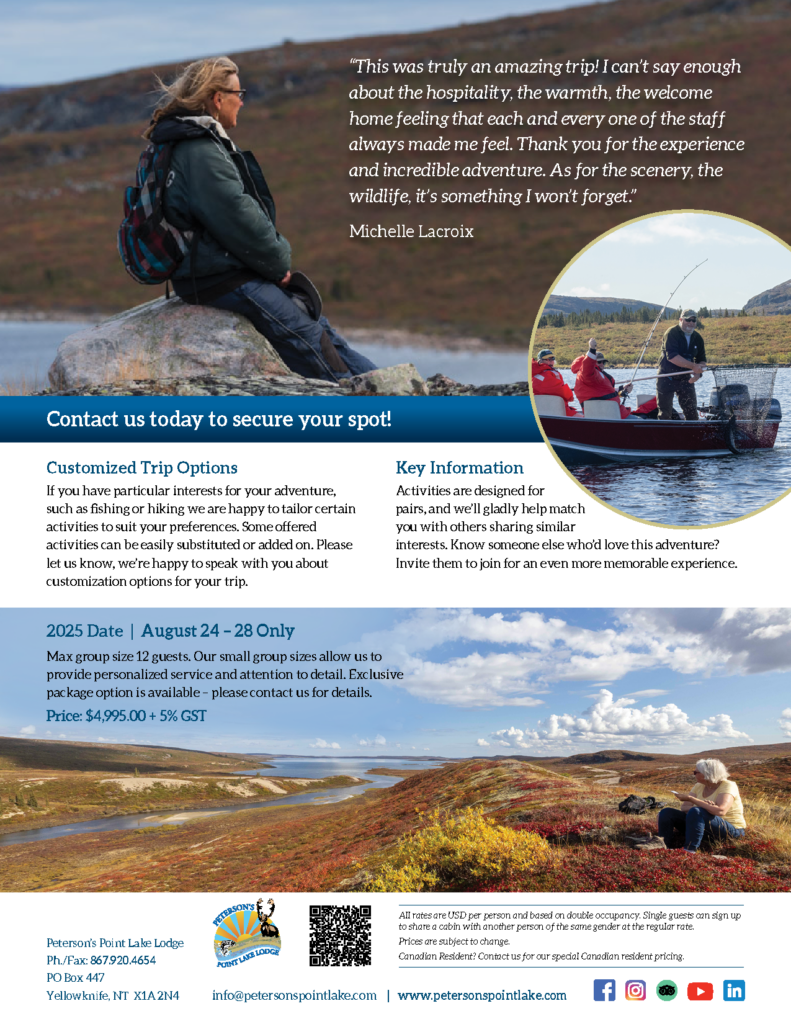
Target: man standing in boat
x=593, y=382
x=682, y=348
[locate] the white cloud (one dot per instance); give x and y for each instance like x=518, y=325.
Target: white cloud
x=516, y=657
x=584, y=292
x=492, y=679
x=510, y=737
x=610, y=720
x=686, y=228
x=784, y=721
x=379, y=741
x=27, y=730
x=777, y=629
x=483, y=743
x=647, y=693
x=324, y=745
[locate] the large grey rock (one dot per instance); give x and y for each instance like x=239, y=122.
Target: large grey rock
x=164, y=338
x=391, y=380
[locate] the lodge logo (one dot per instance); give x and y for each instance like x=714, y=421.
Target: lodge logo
x=245, y=931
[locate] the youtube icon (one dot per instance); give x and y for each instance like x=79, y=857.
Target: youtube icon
x=700, y=990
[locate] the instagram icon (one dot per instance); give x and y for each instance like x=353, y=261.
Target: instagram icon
x=635, y=990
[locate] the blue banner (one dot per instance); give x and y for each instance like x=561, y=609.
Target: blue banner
x=168, y=419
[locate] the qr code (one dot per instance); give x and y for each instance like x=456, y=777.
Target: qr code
x=340, y=936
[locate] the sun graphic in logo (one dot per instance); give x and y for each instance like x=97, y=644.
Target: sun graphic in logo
x=241, y=931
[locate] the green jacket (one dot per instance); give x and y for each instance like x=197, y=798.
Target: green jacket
x=221, y=190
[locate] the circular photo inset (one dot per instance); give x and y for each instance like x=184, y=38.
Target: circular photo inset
x=661, y=368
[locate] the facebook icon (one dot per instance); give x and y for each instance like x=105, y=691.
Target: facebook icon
x=604, y=990
x=733, y=991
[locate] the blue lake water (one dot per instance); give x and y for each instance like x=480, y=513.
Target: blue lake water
x=310, y=768
x=696, y=492
x=28, y=348
x=322, y=767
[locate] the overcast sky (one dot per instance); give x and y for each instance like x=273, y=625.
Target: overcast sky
x=646, y=261
x=47, y=41
x=475, y=682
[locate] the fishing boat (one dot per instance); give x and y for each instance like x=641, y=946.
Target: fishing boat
x=733, y=422
x=742, y=415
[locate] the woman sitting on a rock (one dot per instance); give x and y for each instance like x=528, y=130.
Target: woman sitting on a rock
x=712, y=808
x=239, y=261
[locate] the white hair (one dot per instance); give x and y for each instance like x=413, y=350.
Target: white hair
x=712, y=770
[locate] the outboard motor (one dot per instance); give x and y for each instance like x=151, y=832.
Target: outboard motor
x=743, y=398
x=775, y=412
x=729, y=399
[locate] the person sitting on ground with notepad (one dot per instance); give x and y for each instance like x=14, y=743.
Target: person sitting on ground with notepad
x=712, y=809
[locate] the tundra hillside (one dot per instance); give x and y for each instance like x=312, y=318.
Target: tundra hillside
x=740, y=339
x=539, y=825
x=66, y=153
x=48, y=783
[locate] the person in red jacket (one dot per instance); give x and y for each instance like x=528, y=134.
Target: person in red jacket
x=549, y=381
x=593, y=382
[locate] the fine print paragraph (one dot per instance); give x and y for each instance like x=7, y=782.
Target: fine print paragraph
x=495, y=934
x=456, y=133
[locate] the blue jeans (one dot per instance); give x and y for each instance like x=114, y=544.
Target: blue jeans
x=693, y=825
x=293, y=334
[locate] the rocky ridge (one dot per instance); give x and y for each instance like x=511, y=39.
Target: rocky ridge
x=773, y=302
x=272, y=386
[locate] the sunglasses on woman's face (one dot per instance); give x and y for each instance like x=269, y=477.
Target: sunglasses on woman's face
x=241, y=93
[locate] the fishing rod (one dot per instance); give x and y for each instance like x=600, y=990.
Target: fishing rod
x=656, y=376
x=651, y=334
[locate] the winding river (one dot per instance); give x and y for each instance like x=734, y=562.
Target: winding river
x=293, y=768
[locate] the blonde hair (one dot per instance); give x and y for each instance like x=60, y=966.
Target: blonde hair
x=712, y=770
x=192, y=90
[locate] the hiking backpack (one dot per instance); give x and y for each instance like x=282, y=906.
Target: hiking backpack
x=150, y=247
x=639, y=805
x=633, y=805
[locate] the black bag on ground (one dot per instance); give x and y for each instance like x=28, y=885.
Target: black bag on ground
x=633, y=805
x=638, y=804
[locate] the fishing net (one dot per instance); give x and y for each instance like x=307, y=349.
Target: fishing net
x=745, y=392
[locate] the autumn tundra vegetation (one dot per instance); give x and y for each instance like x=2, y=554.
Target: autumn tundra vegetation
x=734, y=339
x=483, y=825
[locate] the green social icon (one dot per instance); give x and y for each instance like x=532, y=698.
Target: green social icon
x=667, y=990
